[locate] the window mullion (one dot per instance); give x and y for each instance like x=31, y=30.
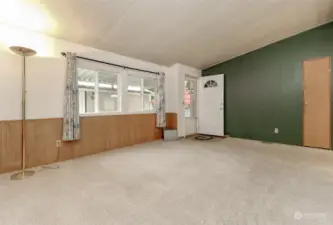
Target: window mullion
x=123, y=91
x=119, y=93
x=96, y=92
x=142, y=92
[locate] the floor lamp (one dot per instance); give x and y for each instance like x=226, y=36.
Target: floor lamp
x=23, y=52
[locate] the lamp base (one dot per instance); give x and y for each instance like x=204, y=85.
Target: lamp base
x=22, y=174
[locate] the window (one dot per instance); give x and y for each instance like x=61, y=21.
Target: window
x=86, y=82
x=98, y=91
x=108, y=92
x=134, y=96
x=105, y=89
x=149, y=94
x=141, y=93
x=210, y=83
x=190, y=97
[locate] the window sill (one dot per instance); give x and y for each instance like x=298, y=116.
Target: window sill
x=115, y=113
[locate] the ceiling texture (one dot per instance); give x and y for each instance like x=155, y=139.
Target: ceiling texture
x=198, y=33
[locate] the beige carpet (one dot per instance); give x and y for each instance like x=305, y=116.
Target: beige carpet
x=226, y=182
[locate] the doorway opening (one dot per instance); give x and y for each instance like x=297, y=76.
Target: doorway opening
x=190, y=105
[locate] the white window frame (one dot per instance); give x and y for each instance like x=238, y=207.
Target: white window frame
x=142, y=94
x=142, y=88
x=194, y=80
x=96, y=91
x=122, y=88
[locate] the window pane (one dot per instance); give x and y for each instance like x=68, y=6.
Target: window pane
x=108, y=102
x=86, y=78
x=134, y=94
x=90, y=101
x=103, y=98
x=187, y=99
x=108, y=94
x=82, y=99
x=193, y=91
x=86, y=82
x=190, y=102
x=149, y=97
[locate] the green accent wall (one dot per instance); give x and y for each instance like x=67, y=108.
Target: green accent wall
x=264, y=88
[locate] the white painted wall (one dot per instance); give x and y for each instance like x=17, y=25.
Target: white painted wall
x=10, y=86
x=45, y=87
x=175, y=78
x=45, y=73
x=171, y=86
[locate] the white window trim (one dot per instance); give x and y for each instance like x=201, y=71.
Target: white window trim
x=122, y=92
x=96, y=102
x=115, y=113
x=142, y=94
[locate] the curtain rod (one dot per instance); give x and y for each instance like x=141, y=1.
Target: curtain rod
x=112, y=64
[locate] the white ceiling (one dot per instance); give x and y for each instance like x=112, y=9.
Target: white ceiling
x=198, y=33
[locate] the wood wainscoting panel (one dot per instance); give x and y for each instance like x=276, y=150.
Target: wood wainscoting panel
x=171, y=120
x=98, y=134
x=10, y=145
x=41, y=137
x=104, y=133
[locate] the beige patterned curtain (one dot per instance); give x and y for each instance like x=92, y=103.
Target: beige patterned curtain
x=71, y=121
x=160, y=109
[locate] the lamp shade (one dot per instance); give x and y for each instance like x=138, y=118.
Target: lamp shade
x=23, y=51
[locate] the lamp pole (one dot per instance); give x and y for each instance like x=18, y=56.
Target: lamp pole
x=23, y=52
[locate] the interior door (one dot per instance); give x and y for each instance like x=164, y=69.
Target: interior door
x=211, y=105
x=317, y=103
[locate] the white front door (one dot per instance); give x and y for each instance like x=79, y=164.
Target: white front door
x=211, y=105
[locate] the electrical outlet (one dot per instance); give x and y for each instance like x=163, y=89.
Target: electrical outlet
x=276, y=130
x=58, y=143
